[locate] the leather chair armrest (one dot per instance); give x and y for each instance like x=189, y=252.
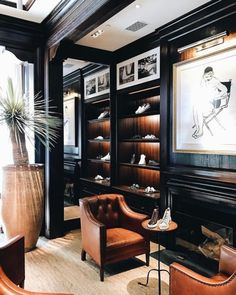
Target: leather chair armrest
x=93, y=232
x=227, y=263
x=12, y=259
x=7, y=287
x=184, y=281
x=132, y=220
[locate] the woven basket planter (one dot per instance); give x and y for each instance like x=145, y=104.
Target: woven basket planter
x=23, y=202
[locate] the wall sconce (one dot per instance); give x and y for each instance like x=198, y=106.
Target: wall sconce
x=205, y=43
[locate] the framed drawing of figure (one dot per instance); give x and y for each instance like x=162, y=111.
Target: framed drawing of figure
x=204, y=104
x=70, y=128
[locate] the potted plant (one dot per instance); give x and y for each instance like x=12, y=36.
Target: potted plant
x=23, y=183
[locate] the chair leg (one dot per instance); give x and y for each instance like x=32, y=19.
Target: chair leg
x=147, y=258
x=22, y=284
x=101, y=273
x=83, y=255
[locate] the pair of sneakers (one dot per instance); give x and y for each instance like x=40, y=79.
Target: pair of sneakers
x=163, y=223
x=143, y=108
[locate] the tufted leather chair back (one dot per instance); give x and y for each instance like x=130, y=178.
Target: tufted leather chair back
x=106, y=209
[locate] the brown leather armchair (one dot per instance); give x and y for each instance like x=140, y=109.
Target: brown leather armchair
x=12, y=259
x=184, y=281
x=111, y=231
x=7, y=287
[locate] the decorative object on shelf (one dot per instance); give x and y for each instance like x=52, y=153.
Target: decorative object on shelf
x=139, y=69
x=202, y=88
x=142, y=160
x=143, y=108
x=132, y=161
x=23, y=183
x=97, y=84
x=154, y=219
x=104, y=114
x=106, y=158
x=137, y=136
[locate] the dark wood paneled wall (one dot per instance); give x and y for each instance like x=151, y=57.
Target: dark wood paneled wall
x=201, y=186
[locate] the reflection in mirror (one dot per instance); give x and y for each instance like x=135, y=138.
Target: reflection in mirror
x=22, y=75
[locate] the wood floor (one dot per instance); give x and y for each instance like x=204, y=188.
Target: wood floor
x=55, y=266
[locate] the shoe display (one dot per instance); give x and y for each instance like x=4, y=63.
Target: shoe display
x=137, y=136
x=150, y=189
x=99, y=157
x=165, y=221
x=98, y=177
x=106, y=158
x=153, y=163
x=154, y=219
x=143, y=108
x=134, y=186
x=99, y=137
x=150, y=136
x=103, y=115
x=132, y=161
x=142, y=160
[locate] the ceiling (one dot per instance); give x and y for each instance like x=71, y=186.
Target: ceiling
x=153, y=13
x=37, y=12
x=143, y=16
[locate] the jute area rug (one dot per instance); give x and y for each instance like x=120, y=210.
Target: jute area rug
x=56, y=266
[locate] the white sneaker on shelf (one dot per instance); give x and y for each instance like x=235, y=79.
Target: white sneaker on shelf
x=98, y=177
x=142, y=160
x=165, y=221
x=103, y=115
x=145, y=107
x=99, y=137
x=138, y=111
x=106, y=158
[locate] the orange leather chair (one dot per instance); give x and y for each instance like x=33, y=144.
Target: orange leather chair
x=12, y=259
x=7, y=287
x=184, y=281
x=111, y=231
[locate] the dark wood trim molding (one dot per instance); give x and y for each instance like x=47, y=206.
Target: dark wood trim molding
x=74, y=19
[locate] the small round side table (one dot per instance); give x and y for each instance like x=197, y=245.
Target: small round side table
x=172, y=226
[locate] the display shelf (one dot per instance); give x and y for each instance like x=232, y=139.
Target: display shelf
x=138, y=192
x=152, y=167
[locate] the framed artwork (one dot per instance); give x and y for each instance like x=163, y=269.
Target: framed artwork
x=70, y=119
x=97, y=84
x=141, y=68
x=204, y=104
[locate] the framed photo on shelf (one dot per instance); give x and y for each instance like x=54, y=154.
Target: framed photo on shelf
x=97, y=84
x=139, y=69
x=204, y=104
x=70, y=122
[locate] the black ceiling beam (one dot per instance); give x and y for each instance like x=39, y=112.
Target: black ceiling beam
x=73, y=19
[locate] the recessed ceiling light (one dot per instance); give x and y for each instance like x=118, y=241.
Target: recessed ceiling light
x=137, y=6
x=97, y=33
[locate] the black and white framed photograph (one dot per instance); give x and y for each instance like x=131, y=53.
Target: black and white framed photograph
x=126, y=73
x=70, y=119
x=103, y=82
x=97, y=84
x=139, y=69
x=147, y=66
x=204, y=104
x=90, y=87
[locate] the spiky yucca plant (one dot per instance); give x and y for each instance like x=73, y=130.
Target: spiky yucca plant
x=23, y=122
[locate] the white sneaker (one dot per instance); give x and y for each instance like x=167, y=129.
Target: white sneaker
x=145, y=107
x=165, y=221
x=106, y=158
x=103, y=115
x=142, y=160
x=138, y=111
x=99, y=137
x=150, y=136
x=98, y=177
x=149, y=189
